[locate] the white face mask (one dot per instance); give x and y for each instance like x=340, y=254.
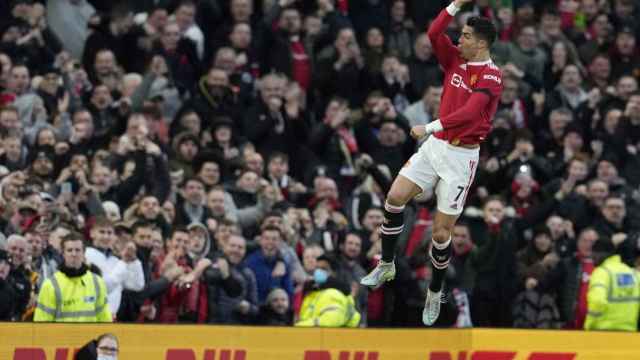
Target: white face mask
x=107, y=357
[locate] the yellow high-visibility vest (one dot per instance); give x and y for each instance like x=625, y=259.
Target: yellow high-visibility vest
x=328, y=308
x=613, y=297
x=77, y=299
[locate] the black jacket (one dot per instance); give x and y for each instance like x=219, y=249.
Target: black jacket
x=183, y=64
x=19, y=280
x=564, y=280
x=123, y=193
x=8, y=304
x=87, y=352
x=216, y=285
x=133, y=300
x=270, y=134
x=269, y=317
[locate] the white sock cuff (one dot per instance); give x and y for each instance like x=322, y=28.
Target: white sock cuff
x=452, y=9
x=393, y=208
x=440, y=246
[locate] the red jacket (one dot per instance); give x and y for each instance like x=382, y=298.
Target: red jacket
x=182, y=303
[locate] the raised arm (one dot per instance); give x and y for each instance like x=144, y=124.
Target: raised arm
x=443, y=48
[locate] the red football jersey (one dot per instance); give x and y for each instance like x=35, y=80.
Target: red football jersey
x=471, y=90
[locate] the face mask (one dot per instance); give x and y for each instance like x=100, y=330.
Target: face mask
x=320, y=276
x=107, y=357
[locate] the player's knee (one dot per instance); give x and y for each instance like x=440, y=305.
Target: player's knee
x=441, y=235
x=396, y=197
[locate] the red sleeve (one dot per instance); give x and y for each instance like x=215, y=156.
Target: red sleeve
x=443, y=48
x=466, y=113
x=490, y=82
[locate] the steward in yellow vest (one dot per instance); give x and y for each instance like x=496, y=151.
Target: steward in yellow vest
x=328, y=303
x=614, y=292
x=73, y=293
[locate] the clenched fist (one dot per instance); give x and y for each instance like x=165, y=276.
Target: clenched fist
x=418, y=132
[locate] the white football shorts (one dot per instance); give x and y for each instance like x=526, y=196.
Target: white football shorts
x=450, y=169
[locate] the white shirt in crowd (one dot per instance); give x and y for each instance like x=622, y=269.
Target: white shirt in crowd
x=117, y=275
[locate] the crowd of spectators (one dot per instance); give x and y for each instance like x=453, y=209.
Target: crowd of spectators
x=216, y=154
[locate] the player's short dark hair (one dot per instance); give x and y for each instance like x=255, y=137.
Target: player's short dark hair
x=483, y=29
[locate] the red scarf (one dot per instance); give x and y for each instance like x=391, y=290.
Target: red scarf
x=349, y=140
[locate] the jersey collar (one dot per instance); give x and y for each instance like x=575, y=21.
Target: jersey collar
x=480, y=63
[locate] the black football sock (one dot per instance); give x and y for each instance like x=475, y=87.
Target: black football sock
x=391, y=229
x=440, y=255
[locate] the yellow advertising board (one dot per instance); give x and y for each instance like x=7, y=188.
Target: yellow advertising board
x=186, y=342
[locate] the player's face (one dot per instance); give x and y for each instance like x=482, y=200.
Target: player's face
x=468, y=43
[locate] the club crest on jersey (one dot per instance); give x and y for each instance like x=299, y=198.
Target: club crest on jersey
x=474, y=79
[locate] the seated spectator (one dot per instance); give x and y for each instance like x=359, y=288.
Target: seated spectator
x=276, y=310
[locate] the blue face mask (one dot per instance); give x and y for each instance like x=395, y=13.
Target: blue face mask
x=320, y=276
